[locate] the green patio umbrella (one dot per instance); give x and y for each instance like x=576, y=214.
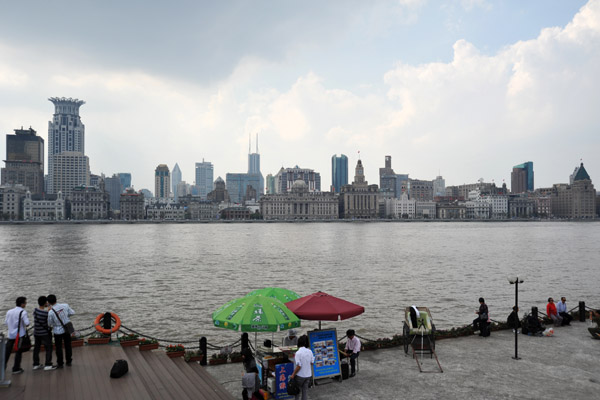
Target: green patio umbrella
x=255, y=313
x=281, y=294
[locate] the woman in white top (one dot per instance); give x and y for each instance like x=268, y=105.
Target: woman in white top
x=303, y=371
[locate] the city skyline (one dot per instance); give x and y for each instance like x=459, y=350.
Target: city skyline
x=478, y=88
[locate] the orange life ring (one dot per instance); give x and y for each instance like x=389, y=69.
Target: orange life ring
x=100, y=329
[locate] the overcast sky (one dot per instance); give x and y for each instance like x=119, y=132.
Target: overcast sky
x=466, y=89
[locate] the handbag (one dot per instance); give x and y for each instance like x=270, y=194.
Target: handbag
x=69, y=328
x=292, y=387
x=22, y=343
x=119, y=368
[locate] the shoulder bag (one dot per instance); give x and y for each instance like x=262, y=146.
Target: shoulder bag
x=292, y=387
x=69, y=328
x=22, y=343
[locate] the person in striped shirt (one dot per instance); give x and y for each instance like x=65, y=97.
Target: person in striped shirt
x=42, y=335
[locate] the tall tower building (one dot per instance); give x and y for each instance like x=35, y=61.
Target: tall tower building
x=339, y=172
x=254, y=167
x=24, y=160
x=521, y=178
x=204, y=178
x=388, y=181
x=175, y=179
x=162, y=181
x=65, y=133
x=125, y=178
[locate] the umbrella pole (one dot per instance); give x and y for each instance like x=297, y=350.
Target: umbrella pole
x=319, y=325
x=255, y=336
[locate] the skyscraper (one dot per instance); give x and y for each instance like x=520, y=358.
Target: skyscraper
x=24, y=160
x=162, y=181
x=175, y=179
x=254, y=167
x=71, y=169
x=339, y=172
x=240, y=185
x=388, y=180
x=204, y=178
x=521, y=178
x=114, y=189
x=65, y=133
x=125, y=178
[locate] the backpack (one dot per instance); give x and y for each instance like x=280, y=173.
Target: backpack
x=119, y=369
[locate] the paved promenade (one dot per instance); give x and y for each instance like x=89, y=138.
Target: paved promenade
x=565, y=366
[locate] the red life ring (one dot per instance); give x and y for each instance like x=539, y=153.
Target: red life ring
x=100, y=329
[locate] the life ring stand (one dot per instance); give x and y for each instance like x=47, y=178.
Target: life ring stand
x=99, y=328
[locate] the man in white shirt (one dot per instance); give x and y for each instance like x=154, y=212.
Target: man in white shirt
x=352, y=350
x=58, y=317
x=17, y=321
x=304, y=359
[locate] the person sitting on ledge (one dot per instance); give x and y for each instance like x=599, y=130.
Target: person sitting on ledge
x=552, y=313
x=481, y=323
x=596, y=318
x=513, y=319
x=561, y=307
x=533, y=327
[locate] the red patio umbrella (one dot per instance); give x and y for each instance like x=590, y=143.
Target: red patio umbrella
x=321, y=306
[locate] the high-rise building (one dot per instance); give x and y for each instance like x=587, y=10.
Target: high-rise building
x=24, y=162
x=125, y=178
x=204, y=178
x=521, y=178
x=577, y=200
x=71, y=169
x=439, y=186
x=254, y=168
x=175, y=179
x=286, y=177
x=241, y=186
x=387, y=177
x=270, y=184
x=66, y=133
x=162, y=181
x=339, y=172
x=114, y=189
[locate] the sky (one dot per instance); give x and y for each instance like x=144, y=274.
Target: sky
x=465, y=89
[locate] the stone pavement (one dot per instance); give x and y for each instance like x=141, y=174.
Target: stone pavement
x=566, y=365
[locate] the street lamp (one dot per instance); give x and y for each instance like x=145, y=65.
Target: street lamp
x=515, y=281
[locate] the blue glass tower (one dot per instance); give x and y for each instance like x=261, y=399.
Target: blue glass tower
x=339, y=172
x=527, y=167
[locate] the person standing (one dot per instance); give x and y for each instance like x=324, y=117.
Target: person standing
x=352, y=350
x=552, y=313
x=58, y=317
x=17, y=321
x=513, y=319
x=561, y=308
x=42, y=335
x=291, y=339
x=481, y=322
x=304, y=359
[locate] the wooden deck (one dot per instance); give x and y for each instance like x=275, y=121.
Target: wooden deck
x=152, y=375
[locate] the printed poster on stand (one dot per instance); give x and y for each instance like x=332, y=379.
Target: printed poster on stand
x=283, y=372
x=325, y=349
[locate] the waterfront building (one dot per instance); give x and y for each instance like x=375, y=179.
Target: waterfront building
x=388, y=178
x=400, y=208
x=165, y=211
x=453, y=210
x=132, y=205
x=66, y=133
x=114, y=189
x=439, y=186
x=70, y=169
x=339, y=172
x=204, y=178
x=453, y=193
x=521, y=178
x=543, y=206
x=235, y=213
x=198, y=208
x=286, y=177
x=477, y=207
x=44, y=207
x=482, y=187
x=24, y=162
x=520, y=206
x=420, y=190
x=270, y=184
x=175, y=179
x=162, y=181
x=300, y=203
x=11, y=198
x=89, y=202
x=577, y=200
x=359, y=200
x=425, y=210
x=95, y=179
x=498, y=205
x=219, y=194
x=125, y=178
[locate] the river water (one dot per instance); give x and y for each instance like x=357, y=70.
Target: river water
x=167, y=279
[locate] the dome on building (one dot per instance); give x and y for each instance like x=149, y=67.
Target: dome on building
x=299, y=186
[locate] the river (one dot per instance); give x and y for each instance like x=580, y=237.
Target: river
x=167, y=279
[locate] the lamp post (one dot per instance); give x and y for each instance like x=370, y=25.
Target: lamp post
x=515, y=281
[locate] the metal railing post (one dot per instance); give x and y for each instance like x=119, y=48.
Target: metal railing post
x=203, y=350
x=582, y=311
x=3, y=381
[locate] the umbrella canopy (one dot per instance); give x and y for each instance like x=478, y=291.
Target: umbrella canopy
x=281, y=294
x=321, y=306
x=255, y=314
